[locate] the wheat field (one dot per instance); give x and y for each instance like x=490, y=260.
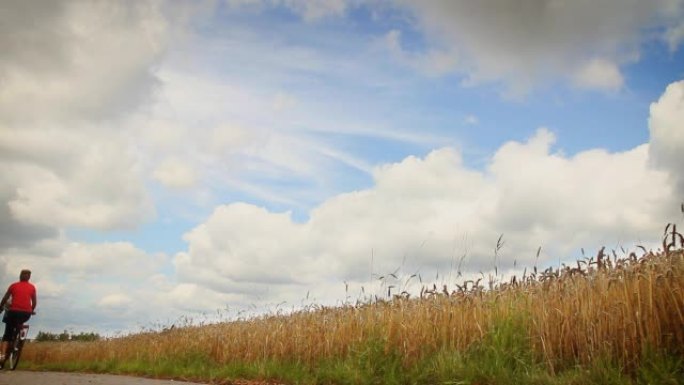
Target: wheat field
x=604, y=306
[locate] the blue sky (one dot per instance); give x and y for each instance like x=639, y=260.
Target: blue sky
x=182, y=157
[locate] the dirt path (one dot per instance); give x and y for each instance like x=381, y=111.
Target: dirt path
x=20, y=377
x=53, y=378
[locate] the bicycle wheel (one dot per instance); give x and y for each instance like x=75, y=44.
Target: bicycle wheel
x=15, y=354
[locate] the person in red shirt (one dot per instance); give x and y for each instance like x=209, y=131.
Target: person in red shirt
x=21, y=307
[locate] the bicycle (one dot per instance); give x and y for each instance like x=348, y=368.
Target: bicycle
x=15, y=347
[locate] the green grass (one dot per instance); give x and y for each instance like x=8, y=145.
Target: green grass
x=504, y=356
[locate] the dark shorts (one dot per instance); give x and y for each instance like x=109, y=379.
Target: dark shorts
x=13, y=320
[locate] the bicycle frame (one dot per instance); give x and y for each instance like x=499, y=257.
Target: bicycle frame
x=16, y=346
x=23, y=332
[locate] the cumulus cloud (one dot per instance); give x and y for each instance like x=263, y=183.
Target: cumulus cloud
x=525, y=43
x=71, y=70
x=424, y=214
x=667, y=132
x=65, y=179
x=195, y=298
x=175, y=173
x=419, y=212
x=71, y=64
x=14, y=233
x=246, y=244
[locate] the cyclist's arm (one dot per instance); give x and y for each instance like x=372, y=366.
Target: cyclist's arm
x=4, y=300
x=34, y=301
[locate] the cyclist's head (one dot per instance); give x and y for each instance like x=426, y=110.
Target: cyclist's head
x=25, y=275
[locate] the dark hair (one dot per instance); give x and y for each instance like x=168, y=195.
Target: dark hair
x=25, y=275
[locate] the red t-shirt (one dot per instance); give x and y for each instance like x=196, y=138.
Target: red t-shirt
x=22, y=296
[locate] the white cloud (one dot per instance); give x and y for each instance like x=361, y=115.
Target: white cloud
x=423, y=214
x=175, y=174
x=198, y=298
x=526, y=43
x=67, y=178
x=14, y=233
x=49, y=288
x=115, y=301
x=520, y=44
x=120, y=259
x=71, y=71
x=666, y=125
x=247, y=245
x=77, y=59
x=599, y=74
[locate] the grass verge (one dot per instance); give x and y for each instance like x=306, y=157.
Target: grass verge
x=504, y=356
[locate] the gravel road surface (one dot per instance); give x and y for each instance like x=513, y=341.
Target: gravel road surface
x=53, y=378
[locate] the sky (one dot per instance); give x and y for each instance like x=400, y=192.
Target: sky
x=165, y=161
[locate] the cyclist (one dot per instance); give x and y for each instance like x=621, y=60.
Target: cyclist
x=23, y=305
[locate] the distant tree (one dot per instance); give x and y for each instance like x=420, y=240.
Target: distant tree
x=66, y=336
x=85, y=337
x=46, y=336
